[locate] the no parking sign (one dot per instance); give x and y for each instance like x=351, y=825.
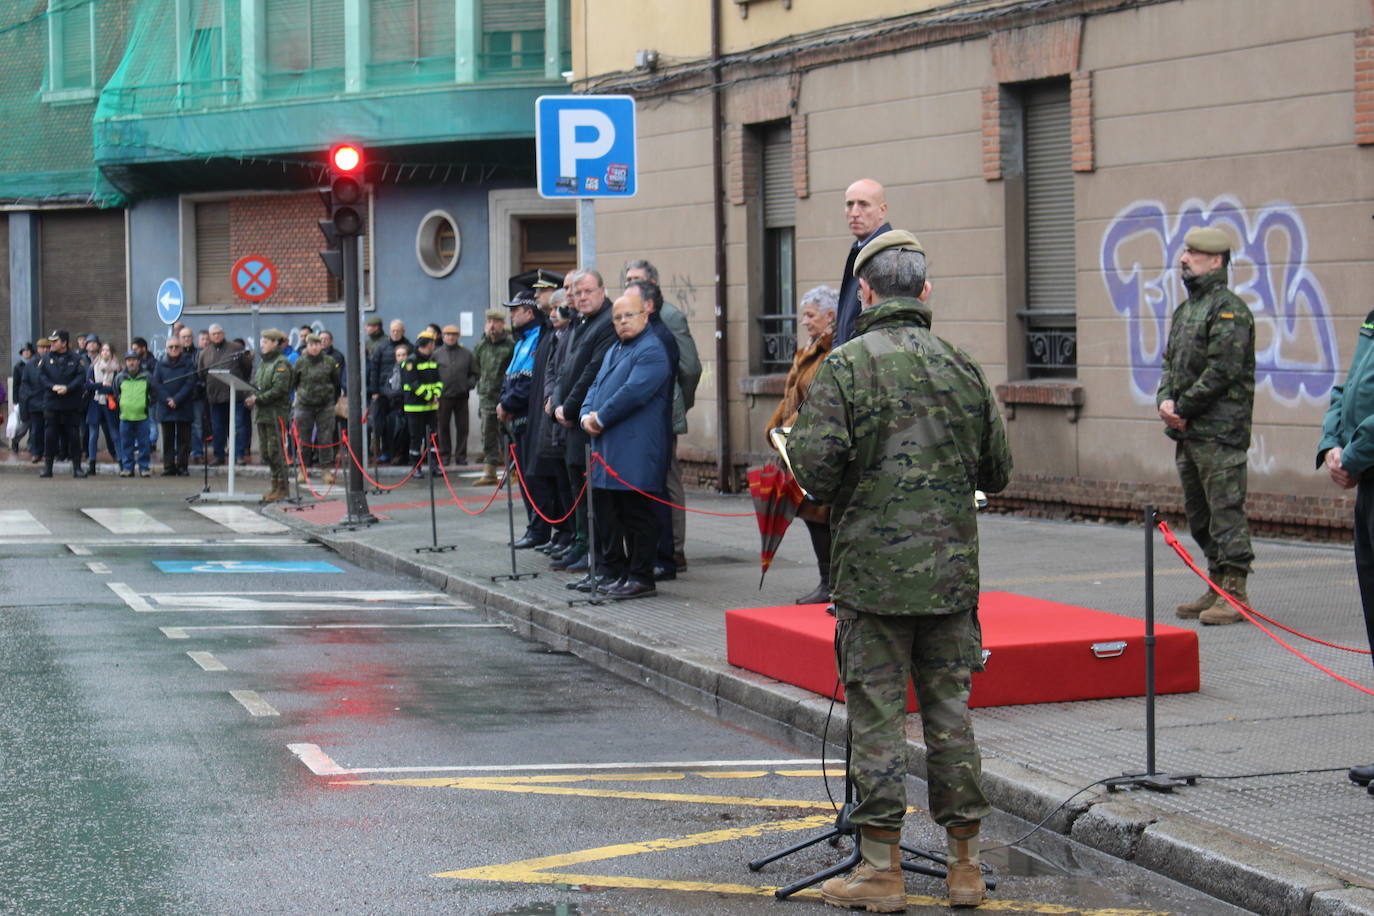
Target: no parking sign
x=253, y=277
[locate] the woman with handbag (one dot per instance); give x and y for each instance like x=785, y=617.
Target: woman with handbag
x=816, y=315
x=102, y=411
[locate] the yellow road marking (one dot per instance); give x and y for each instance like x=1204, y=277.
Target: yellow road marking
x=509, y=785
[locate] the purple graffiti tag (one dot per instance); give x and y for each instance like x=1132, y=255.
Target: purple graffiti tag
x=1271, y=275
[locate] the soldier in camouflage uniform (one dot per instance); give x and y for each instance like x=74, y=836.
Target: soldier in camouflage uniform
x=898, y=430
x=271, y=403
x=1206, y=399
x=492, y=353
x=315, y=380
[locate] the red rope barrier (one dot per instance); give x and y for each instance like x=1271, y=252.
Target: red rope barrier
x=596, y=457
x=305, y=473
x=372, y=480
x=458, y=502
x=1250, y=615
x=525, y=492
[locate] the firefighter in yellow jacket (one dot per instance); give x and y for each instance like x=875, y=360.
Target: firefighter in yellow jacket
x=422, y=387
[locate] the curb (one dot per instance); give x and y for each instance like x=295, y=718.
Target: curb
x=1230, y=868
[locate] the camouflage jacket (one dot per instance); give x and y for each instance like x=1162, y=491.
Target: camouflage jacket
x=1209, y=364
x=316, y=380
x=273, y=381
x=492, y=359
x=898, y=429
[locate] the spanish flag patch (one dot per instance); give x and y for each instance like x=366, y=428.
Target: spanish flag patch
x=1227, y=315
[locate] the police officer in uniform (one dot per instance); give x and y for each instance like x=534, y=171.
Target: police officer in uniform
x=271, y=405
x=898, y=430
x=1206, y=399
x=423, y=387
x=62, y=380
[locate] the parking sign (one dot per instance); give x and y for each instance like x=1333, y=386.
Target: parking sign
x=585, y=145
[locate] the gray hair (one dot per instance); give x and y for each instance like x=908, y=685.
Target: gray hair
x=559, y=297
x=581, y=272
x=824, y=298
x=650, y=271
x=895, y=272
x=216, y=327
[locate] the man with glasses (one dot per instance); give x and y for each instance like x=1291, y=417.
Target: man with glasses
x=174, y=387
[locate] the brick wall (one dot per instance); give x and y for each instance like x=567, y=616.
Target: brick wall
x=281, y=227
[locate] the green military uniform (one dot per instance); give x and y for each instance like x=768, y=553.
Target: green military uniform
x=271, y=405
x=422, y=387
x=1209, y=374
x=493, y=356
x=315, y=380
x=898, y=430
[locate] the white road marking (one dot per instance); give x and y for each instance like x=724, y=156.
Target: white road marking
x=174, y=632
x=321, y=764
x=309, y=601
x=128, y=520
x=255, y=704
x=207, y=661
x=130, y=597
x=77, y=549
x=240, y=519
x=78, y=545
x=100, y=569
x=184, y=632
x=21, y=522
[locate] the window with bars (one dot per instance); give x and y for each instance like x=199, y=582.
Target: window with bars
x=778, y=318
x=410, y=40
x=1049, y=315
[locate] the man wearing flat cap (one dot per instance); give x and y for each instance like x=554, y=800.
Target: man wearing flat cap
x=898, y=430
x=1206, y=399
x=458, y=372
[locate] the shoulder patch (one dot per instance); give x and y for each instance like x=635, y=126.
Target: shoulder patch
x=1227, y=315
x=282, y=368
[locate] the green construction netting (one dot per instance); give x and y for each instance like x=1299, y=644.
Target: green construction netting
x=91, y=89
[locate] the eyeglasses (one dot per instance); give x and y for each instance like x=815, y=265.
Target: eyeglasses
x=626, y=316
x=174, y=346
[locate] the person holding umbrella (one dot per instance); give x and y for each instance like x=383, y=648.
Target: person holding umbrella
x=816, y=314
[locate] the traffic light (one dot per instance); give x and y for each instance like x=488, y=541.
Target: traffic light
x=343, y=200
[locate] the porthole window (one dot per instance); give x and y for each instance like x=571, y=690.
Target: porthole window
x=437, y=244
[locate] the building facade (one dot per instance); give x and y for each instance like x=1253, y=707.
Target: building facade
x=1050, y=155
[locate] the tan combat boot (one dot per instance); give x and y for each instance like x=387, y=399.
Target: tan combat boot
x=876, y=884
x=277, y=492
x=964, y=877
x=488, y=476
x=331, y=477
x=1233, y=583
x=1189, y=610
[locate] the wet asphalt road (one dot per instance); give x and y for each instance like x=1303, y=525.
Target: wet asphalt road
x=318, y=738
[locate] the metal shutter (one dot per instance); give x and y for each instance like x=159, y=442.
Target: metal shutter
x=779, y=197
x=326, y=34
x=81, y=254
x=213, y=258
x=1050, y=256
x=437, y=21
x=393, y=30
x=512, y=15
x=75, y=25
x=287, y=28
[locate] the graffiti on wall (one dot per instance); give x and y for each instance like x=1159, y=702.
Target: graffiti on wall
x=1296, y=359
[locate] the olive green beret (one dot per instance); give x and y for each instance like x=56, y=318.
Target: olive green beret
x=312, y=338
x=496, y=314
x=1208, y=240
x=274, y=334
x=893, y=238
x=373, y=321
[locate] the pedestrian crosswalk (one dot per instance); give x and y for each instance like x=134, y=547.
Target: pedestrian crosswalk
x=21, y=524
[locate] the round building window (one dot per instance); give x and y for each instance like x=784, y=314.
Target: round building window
x=437, y=244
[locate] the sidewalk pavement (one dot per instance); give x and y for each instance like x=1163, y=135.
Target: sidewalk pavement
x=1290, y=843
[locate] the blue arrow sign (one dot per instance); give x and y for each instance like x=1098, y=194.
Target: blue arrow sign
x=170, y=299
x=585, y=146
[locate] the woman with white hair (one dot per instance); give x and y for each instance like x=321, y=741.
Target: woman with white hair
x=816, y=315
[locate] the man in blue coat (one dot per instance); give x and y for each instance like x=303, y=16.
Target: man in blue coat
x=627, y=412
x=174, y=386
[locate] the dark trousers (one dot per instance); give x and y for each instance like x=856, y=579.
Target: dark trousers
x=1364, y=549
x=243, y=433
x=627, y=533
x=563, y=487
x=453, y=429
x=577, y=476
x=176, y=445
x=219, y=429
x=420, y=425
x=820, y=544
x=38, y=432
x=62, y=434
x=198, y=427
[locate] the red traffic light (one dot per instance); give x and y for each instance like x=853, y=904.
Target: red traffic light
x=346, y=158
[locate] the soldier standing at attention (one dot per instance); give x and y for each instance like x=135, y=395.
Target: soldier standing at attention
x=492, y=354
x=315, y=380
x=1206, y=399
x=272, y=403
x=898, y=429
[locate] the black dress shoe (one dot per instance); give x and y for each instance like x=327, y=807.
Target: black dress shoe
x=46, y=472
x=604, y=583
x=581, y=564
x=632, y=588
x=568, y=559
x=526, y=542
x=664, y=574
x=168, y=472
x=818, y=595
x=78, y=471
x=1362, y=776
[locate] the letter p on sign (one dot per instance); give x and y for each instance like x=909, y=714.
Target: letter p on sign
x=585, y=146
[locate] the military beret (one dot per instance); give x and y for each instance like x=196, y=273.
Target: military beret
x=1208, y=240
x=893, y=238
x=496, y=314
x=274, y=334
x=373, y=321
x=312, y=338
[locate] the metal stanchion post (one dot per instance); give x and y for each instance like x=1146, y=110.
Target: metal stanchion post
x=433, y=510
x=1150, y=779
x=591, y=538
x=510, y=511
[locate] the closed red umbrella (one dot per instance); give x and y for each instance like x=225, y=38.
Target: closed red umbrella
x=776, y=497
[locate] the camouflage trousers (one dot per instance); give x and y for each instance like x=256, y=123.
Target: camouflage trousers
x=1214, y=488
x=877, y=653
x=269, y=446
x=491, y=437
x=316, y=427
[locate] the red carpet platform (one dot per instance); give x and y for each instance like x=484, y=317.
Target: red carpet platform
x=1039, y=651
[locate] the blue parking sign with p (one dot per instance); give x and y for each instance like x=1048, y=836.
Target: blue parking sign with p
x=585, y=145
